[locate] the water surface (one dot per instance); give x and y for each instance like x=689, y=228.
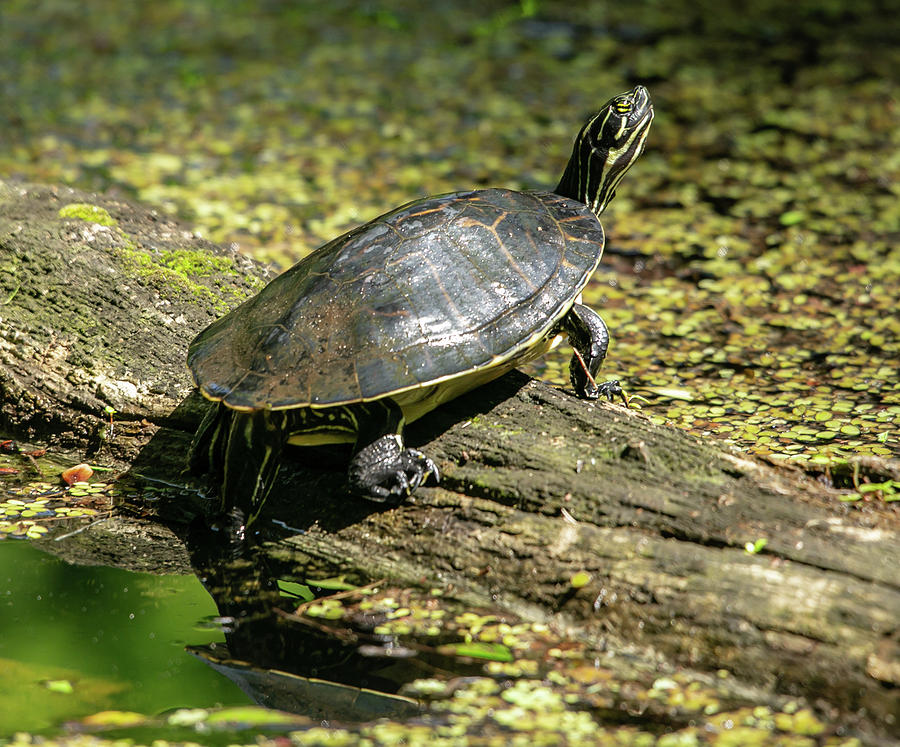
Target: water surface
x=117, y=637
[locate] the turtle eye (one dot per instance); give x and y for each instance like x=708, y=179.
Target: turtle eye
x=622, y=106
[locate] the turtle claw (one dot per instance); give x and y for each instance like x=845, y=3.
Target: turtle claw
x=611, y=390
x=385, y=472
x=420, y=467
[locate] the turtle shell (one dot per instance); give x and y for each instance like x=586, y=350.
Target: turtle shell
x=437, y=289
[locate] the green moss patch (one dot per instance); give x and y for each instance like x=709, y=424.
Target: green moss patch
x=90, y=213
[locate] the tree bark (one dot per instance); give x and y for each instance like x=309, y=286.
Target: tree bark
x=537, y=485
x=97, y=315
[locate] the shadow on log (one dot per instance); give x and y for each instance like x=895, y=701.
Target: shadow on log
x=98, y=308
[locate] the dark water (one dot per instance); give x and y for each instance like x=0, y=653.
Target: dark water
x=115, y=636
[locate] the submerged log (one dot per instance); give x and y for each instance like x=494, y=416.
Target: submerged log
x=98, y=300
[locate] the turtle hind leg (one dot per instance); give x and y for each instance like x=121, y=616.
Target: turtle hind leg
x=251, y=461
x=382, y=469
x=242, y=453
x=208, y=446
x=589, y=338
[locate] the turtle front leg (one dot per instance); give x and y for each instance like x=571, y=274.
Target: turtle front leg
x=589, y=337
x=382, y=469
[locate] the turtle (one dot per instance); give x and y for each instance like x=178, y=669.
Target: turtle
x=386, y=322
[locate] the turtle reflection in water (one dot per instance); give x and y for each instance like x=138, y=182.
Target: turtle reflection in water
x=390, y=320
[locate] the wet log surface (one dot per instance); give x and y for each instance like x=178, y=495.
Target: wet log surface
x=537, y=486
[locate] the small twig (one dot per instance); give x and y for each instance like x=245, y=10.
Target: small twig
x=11, y=296
x=284, y=525
x=80, y=529
x=301, y=608
x=342, y=634
x=584, y=367
x=177, y=486
x=34, y=464
x=625, y=398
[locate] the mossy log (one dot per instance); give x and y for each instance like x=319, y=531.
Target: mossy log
x=98, y=300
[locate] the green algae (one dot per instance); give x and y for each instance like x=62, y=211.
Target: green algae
x=752, y=265
x=539, y=688
x=752, y=251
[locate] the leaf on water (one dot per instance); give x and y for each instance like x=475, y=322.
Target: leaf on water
x=671, y=393
x=115, y=718
x=336, y=583
x=792, y=217
x=247, y=716
x=295, y=590
x=872, y=487
x=64, y=687
x=477, y=650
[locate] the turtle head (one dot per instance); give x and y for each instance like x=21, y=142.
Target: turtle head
x=607, y=145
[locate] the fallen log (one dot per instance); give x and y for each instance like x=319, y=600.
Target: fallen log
x=99, y=298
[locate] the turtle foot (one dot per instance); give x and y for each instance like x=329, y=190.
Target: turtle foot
x=386, y=472
x=587, y=388
x=611, y=390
